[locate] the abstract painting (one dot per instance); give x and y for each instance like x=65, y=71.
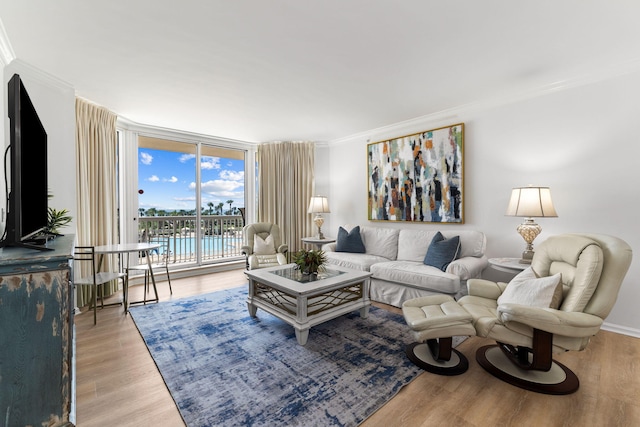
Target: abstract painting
x=417, y=177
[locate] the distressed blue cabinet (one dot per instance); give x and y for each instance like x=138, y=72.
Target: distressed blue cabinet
x=36, y=335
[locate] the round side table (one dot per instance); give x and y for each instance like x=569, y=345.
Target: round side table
x=508, y=265
x=317, y=242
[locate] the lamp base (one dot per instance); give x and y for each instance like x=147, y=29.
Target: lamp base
x=529, y=230
x=527, y=256
x=318, y=221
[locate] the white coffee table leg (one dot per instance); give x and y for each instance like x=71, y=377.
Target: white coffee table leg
x=252, y=291
x=252, y=309
x=302, y=335
x=364, y=312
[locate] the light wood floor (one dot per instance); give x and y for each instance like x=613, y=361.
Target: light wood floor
x=118, y=383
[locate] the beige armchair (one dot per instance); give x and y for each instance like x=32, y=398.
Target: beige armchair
x=262, y=245
x=591, y=269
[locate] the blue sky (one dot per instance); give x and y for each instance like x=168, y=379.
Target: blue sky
x=168, y=178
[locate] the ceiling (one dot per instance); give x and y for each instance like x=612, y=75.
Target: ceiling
x=266, y=70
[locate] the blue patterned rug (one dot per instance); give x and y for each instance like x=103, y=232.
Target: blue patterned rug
x=225, y=368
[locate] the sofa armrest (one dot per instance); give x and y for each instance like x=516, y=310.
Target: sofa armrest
x=575, y=324
x=329, y=247
x=246, y=250
x=468, y=267
x=283, y=249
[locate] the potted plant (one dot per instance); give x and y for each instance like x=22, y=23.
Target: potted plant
x=309, y=261
x=56, y=220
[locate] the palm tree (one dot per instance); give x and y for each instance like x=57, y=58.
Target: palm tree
x=219, y=207
x=230, y=203
x=210, y=204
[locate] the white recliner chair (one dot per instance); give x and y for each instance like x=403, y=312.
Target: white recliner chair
x=262, y=245
x=590, y=269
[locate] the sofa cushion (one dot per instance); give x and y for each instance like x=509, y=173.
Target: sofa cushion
x=442, y=251
x=353, y=261
x=416, y=275
x=380, y=241
x=413, y=243
x=350, y=241
x=472, y=242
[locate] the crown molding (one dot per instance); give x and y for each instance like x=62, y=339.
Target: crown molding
x=27, y=70
x=9, y=59
x=606, y=72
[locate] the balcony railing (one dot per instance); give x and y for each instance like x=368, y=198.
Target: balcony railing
x=217, y=238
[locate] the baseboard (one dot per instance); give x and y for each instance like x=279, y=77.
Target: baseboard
x=624, y=330
x=180, y=273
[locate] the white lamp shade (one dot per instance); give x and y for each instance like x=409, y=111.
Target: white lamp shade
x=319, y=204
x=531, y=202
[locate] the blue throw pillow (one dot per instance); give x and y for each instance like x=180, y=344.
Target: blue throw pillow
x=350, y=241
x=442, y=251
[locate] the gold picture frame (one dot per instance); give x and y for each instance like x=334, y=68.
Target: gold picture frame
x=418, y=177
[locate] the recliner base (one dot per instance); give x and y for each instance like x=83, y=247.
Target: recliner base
x=422, y=355
x=558, y=380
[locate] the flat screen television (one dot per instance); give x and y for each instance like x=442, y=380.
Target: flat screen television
x=28, y=194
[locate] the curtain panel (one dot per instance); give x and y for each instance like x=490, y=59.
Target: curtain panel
x=96, y=185
x=285, y=187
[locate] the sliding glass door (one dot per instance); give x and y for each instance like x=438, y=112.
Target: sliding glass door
x=193, y=194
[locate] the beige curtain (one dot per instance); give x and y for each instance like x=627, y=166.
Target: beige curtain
x=285, y=186
x=96, y=184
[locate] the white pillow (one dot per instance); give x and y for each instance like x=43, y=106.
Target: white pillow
x=263, y=246
x=527, y=289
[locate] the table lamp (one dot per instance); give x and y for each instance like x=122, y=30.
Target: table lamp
x=319, y=205
x=530, y=202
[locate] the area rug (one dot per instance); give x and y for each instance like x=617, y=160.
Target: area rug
x=224, y=367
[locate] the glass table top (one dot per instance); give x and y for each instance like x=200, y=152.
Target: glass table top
x=295, y=274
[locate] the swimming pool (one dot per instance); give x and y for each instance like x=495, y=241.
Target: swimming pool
x=211, y=246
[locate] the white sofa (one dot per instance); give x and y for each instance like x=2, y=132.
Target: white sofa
x=395, y=259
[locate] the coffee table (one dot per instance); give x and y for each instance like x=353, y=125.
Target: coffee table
x=304, y=301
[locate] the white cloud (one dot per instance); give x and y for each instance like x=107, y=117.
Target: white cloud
x=210, y=162
x=186, y=157
x=172, y=179
x=232, y=175
x=206, y=162
x=220, y=188
x=153, y=178
x=145, y=158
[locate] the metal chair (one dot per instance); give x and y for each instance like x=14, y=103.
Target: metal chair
x=160, y=261
x=96, y=279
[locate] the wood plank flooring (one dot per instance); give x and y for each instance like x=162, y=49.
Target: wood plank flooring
x=119, y=384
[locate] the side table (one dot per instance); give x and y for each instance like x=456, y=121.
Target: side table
x=508, y=265
x=317, y=242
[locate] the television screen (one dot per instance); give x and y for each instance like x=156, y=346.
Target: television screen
x=27, y=213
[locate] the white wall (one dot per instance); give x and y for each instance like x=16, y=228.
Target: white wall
x=54, y=102
x=322, y=184
x=583, y=142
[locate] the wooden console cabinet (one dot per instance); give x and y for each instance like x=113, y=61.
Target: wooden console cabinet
x=36, y=336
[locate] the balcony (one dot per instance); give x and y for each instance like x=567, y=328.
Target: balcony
x=217, y=238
